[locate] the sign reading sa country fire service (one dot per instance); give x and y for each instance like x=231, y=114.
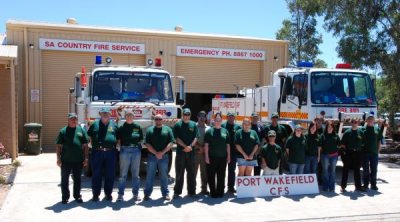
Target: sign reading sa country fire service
x=91, y=46
x=279, y=185
x=206, y=52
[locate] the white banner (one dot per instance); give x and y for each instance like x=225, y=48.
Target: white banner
x=220, y=53
x=91, y=46
x=280, y=185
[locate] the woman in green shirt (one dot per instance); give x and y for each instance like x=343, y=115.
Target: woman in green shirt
x=296, y=149
x=246, y=142
x=330, y=148
x=313, y=149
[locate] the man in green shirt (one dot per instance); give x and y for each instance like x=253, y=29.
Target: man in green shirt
x=130, y=137
x=232, y=128
x=186, y=135
x=352, y=156
x=72, y=155
x=271, y=155
x=159, y=140
x=217, y=155
x=202, y=127
x=281, y=135
x=372, y=146
x=103, y=137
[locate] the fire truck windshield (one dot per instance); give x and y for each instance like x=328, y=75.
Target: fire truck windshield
x=131, y=86
x=342, y=88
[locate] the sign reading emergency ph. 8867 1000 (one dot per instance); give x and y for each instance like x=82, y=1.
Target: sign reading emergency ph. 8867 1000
x=247, y=54
x=280, y=185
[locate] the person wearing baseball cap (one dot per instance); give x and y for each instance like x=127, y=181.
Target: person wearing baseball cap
x=186, y=135
x=103, y=137
x=372, y=147
x=232, y=128
x=281, y=135
x=72, y=155
x=352, y=155
x=296, y=147
x=158, y=140
x=130, y=137
x=271, y=155
x=258, y=127
x=200, y=163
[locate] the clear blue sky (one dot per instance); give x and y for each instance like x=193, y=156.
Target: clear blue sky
x=257, y=18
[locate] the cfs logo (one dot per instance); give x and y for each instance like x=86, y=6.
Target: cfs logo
x=162, y=112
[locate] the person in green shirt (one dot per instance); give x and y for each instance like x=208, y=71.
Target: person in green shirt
x=313, y=152
x=103, y=137
x=247, y=143
x=271, y=155
x=130, y=137
x=186, y=135
x=232, y=128
x=72, y=155
x=217, y=155
x=296, y=146
x=330, y=153
x=200, y=164
x=281, y=135
x=372, y=147
x=352, y=156
x=158, y=140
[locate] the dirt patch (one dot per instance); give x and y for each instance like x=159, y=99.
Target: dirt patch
x=7, y=174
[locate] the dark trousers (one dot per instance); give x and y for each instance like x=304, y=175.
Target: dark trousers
x=257, y=169
x=231, y=171
x=185, y=161
x=103, y=160
x=66, y=169
x=217, y=167
x=370, y=169
x=352, y=159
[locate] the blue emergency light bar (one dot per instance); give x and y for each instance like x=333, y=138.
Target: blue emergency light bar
x=98, y=60
x=305, y=64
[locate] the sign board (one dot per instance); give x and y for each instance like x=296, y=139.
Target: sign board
x=247, y=54
x=279, y=185
x=91, y=46
x=35, y=96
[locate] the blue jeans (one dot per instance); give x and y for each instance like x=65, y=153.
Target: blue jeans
x=295, y=168
x=311, y=164
x=152, y=163
x=129, y=157
x=370, y=169
x=231, y=171
x=328, y=171
x=103, y=160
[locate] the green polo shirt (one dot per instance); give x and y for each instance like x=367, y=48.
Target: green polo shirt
x=297, y=149
x=330, y=143
x=159, y=137
x=272, y=154
x=281, y=133
x=187, y=132
x=72, y=140
x=247, y=140
x=103, y=135
x=232, y=129
x=352, y=139
x=313, y=144
x=217, y=139
x=130, y=134
x=371, y=139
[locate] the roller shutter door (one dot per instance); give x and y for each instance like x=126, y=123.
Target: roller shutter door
x=210, y=75
x=58, y=71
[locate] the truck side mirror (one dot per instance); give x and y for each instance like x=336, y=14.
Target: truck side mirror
x=289, y=86
x=78, y=89
x=182, y=94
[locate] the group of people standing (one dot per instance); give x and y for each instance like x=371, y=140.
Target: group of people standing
x=210, y=150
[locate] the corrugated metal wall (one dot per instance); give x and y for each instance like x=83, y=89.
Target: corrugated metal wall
x=58, y=71
x=205, y=75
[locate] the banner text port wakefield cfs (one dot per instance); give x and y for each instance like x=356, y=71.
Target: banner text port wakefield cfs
x=279, y=185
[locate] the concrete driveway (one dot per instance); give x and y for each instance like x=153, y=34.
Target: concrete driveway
x=36, y=195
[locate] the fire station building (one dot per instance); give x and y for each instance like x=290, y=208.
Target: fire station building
x=35, y=83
